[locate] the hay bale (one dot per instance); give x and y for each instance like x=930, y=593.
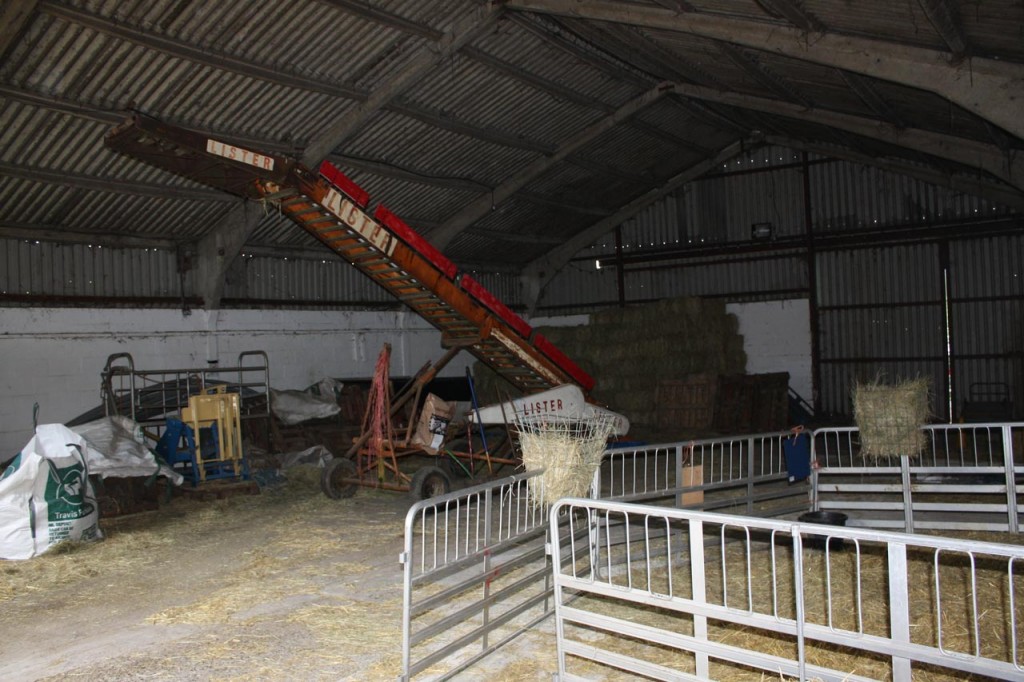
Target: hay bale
x=890, y=417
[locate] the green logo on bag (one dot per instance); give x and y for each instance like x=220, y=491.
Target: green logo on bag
x=65, y=493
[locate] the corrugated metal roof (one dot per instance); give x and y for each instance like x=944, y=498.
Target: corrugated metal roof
x=276, y=76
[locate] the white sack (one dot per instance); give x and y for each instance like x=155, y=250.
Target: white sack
x=46, y=496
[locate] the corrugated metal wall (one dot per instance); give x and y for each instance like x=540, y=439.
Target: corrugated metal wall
x=881, y=315
x=40, y=270
x=881, y=310
x=562, y=295
x=987, y=318
x=330, y=281
x=48, y=269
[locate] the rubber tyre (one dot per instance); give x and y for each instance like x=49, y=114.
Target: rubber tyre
x=430, y=482
x=332, y=479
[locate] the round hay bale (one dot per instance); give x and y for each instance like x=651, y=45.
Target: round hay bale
x=890, y=417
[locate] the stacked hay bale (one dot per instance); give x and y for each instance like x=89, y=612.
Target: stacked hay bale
x=890, y=417
x=630, y=350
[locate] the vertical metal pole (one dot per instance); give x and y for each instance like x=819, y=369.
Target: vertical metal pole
x=620, y=267
x=699, y=596
x=406, y=560
x=798, y=592
x=488, y=498
x=812, y=288
x=1011, y=485
x=750, y=476
x=679, y=474
x=947, y=315
x=908, y=499
x=899, y=609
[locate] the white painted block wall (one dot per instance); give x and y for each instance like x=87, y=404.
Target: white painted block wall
x=55, y=356
x=777, y=338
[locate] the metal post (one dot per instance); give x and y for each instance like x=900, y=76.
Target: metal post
x=699, y=596
x=812, y=288
x=1011, y=483
x=620, y=267
x=908, y=499
x=750, y=476
x=947, y=313
x=899, y=609
x=679, y=474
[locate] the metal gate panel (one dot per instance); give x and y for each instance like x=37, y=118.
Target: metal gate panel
x=681, y=595
x=476, y=574
x=966, y=477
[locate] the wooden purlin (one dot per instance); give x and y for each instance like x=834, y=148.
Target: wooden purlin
x=412, y=279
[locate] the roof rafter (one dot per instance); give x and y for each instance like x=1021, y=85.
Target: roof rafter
x=385, y=18
x=943, y=16
x=962, y=150
x=454, y=184
x=759, y=73
x=538, y=273
x=14, y=17
x=481, y=57
x=484, y=204
x=990, y=88
x=870, y=96
x=77, y=181
x=793, y=12
x=426, y=57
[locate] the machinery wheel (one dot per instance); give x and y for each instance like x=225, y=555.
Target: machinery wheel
x=333, y=482
x=429, y=482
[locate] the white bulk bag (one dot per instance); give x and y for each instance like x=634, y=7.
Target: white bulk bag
x=45, y=495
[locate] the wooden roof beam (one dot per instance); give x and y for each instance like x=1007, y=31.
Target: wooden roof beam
x=761, y=75
x=869, y=95
x=793, y=12
x=944, y=17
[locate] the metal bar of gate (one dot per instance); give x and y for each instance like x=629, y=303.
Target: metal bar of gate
x=631, y=604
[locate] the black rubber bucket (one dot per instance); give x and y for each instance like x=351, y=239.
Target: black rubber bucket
x=823, y=518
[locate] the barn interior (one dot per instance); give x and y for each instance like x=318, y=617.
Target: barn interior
x=298, y=236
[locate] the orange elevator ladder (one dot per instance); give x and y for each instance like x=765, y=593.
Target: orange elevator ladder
x=334, y=209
